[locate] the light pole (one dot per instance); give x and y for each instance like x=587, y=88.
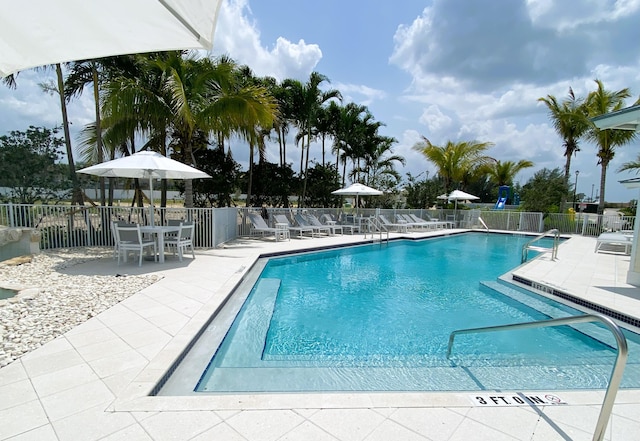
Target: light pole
x=575, y=187
x=591, y=199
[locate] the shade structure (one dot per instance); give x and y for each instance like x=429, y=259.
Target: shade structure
x=42, y=32
x=145, y=165
x=459, y=195
x=357, y=190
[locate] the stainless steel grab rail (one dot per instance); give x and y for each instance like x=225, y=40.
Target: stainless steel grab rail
x=529, y=245
x=618, y=367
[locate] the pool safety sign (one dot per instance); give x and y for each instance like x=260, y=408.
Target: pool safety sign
x=516, y=399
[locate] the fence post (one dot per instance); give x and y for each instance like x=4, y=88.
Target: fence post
x=12, y=222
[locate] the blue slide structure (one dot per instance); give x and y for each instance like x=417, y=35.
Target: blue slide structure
x=503, y=195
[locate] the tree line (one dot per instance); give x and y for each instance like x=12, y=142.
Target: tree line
x=198, y=110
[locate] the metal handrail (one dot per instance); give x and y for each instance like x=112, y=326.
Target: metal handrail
x=374, y=225
x=618, y=367
x=483, y=224
x=554, y=250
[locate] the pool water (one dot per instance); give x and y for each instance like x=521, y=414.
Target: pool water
x=7, y=293
x=378, y=317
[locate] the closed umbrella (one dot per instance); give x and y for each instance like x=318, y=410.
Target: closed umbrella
x=145, y=165
x=357, y=190
x=41, y=32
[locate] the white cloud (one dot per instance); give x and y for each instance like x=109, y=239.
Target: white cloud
x=359, y=93
x=239, y=37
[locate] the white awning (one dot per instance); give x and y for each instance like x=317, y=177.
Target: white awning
x=43, y=32
x=623, y=119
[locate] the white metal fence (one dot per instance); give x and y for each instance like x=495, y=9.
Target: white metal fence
x=65, y=226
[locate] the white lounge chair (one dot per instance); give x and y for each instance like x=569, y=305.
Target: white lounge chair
x=615, y=239
x=400, y=227
x=315, y=222
x=431, y=221
x=331, y=222
x=258, y=225
x=317, y=229
x=412, y=223
x=283, y=220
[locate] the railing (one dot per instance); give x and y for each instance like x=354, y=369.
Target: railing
x=375, y=226
x=618, y=366
x=483, y=224
x=529, y=245
x=65, y=226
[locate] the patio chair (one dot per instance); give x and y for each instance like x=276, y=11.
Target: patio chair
x=283, y=220
x=182, y=240
x=317, y=230
x=130, y=239
x=114, y=234
x=258, y=225
x=400, y=227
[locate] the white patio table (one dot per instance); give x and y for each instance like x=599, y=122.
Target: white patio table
x=159, y=231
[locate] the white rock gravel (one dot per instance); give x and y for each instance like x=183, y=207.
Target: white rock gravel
x=51, y=303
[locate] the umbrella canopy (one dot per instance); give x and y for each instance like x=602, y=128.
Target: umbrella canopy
x=356, y=190
x=457, y=195
x=41, y=32
x=145, y=165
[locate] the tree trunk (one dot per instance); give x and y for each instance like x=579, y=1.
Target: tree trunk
x=250, y=183
x=603, y=180
x=77, y=196
x=188, y=183
x=99, y=148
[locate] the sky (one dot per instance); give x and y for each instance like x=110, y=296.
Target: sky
x=448, y=70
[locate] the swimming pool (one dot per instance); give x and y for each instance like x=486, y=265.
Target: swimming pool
x=377, y=317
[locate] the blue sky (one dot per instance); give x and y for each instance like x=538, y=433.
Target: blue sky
x=445, y=69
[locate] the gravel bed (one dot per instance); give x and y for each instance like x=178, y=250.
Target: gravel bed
x=50, y=303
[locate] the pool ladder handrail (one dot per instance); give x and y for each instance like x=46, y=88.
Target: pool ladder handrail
x=375, y=226
x=618, y=366
x=529, y=245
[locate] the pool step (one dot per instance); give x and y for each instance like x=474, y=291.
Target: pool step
x=550, y=308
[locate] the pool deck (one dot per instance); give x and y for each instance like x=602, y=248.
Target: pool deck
x=93, y=382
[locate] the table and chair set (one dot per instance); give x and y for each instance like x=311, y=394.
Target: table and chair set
x=176, y=236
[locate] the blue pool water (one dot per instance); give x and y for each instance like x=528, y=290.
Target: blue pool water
x=378, y=317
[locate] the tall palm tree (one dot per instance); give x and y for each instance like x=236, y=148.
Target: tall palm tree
x=58, y=87
x=307, y=100
x=599, y=102
x=570, y=121
x=347, y=126
x=454, y=160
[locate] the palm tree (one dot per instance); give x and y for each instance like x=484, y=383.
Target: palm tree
x=599, y=102
x=77, y=197
x=346, y=129
x=570, y=122
x=307, y=100
x=504, y=173
x=454, y=160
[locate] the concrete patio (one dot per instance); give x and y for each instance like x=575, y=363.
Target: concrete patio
x=93, y=382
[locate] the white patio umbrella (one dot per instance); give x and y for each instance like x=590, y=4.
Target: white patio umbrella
x=357, y=190
x=458, y=195
x=40, y=32
x=145, y=165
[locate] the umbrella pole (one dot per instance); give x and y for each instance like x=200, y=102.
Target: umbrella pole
x=153, y=221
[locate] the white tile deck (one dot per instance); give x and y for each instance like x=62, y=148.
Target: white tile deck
x=92, y=383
